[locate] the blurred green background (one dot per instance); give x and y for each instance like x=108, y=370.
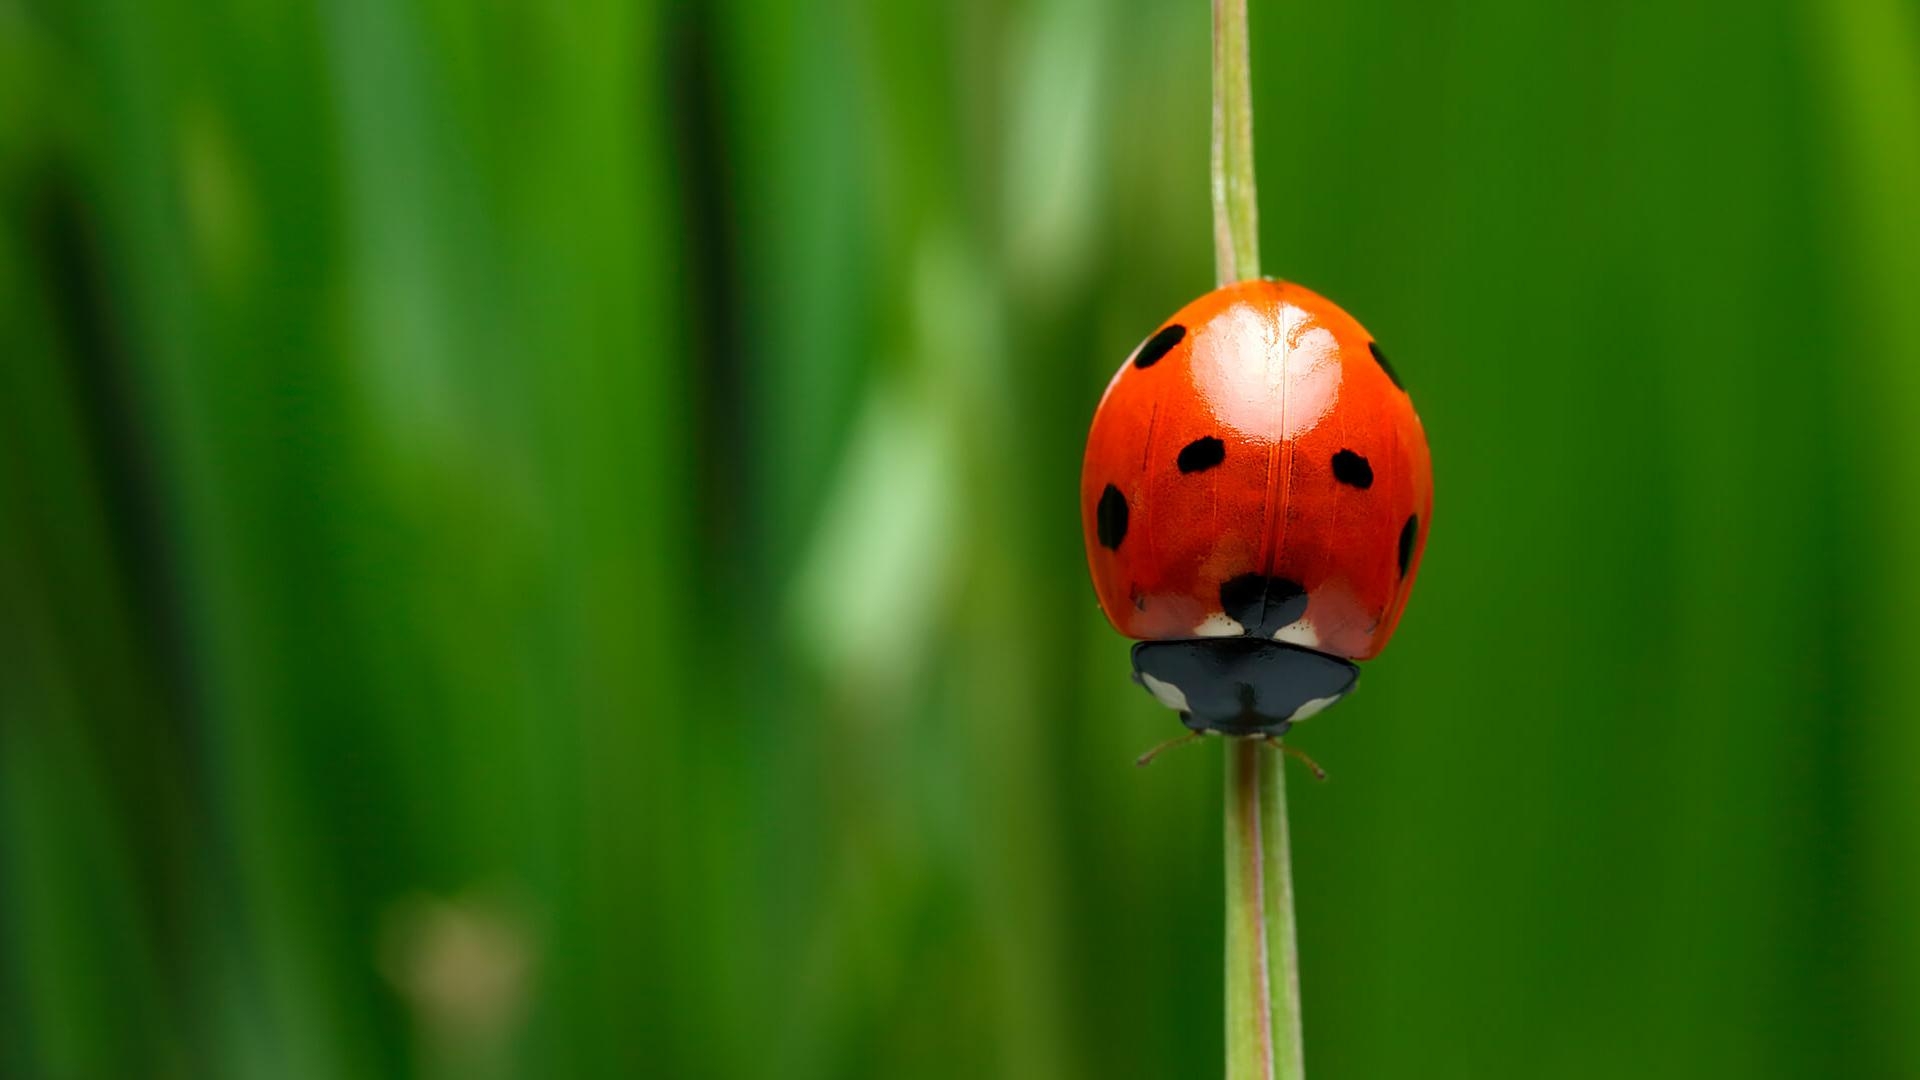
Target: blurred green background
x=540, y=539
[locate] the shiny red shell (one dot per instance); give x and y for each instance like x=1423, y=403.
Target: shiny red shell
x=1259, y=431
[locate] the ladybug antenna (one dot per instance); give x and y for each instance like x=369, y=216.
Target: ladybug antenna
x=1146, y=759
x=1298, y=754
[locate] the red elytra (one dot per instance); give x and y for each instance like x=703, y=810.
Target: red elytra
x=1256, y=452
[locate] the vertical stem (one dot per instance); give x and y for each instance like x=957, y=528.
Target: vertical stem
x=1283, y=943
x=1236, y=209
x=1263, y=980
x=1250, y=1028
x=1263, y=972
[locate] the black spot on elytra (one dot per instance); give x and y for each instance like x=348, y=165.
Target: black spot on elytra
x=1374, y=348
x=1407, y=532
x=1110, y=518
x=1262, y=604
x=1352, y=470
x=1201, y=454
x=1159, y=345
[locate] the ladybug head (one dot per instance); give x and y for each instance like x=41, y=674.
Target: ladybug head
x=1241, y=685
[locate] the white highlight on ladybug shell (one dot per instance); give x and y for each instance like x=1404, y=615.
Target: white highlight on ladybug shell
x=1313, y=374
x=1267, y=380
x=1218, y=625
x=1311, y=707
x=1169, y=695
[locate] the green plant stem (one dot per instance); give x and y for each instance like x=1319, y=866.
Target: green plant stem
x=1263, y=969
x=1263, y=972
x=1236, y=206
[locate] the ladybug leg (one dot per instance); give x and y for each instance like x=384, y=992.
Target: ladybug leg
x=1299, y=755
x=1146, y=759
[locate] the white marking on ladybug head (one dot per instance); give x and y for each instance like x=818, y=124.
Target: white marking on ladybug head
x=1311, y=707
x=1299, y=632
x=1218, y=625
x=1169, y=694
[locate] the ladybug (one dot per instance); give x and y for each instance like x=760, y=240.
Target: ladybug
x=1255, y=498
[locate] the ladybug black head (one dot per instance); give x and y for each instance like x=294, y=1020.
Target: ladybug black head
x=1241, y=685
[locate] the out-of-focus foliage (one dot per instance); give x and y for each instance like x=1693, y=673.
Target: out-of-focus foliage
x=539, y=539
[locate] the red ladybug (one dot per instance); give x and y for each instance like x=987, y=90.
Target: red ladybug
x=1255, y=499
